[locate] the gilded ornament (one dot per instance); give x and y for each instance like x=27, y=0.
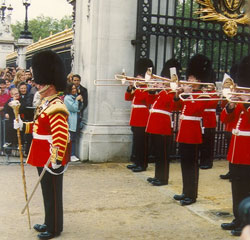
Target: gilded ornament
x=230, y=28
x=231, y=12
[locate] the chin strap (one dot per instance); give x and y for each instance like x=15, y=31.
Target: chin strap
x=44, y=89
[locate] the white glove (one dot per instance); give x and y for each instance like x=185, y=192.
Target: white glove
x=56, y=166
x=18, y=124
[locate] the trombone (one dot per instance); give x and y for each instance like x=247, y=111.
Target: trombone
x=152, y=81
x=119, y=80
x=225, y=90
x=230, y=91
x=99, y=82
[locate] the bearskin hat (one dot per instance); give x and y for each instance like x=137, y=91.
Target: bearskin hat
x=243, y=72
x=200, y=67
x=233, y=71
x=142, y=65
x=48, y=69
x=169, y=64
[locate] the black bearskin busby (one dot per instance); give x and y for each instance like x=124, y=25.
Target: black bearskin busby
x=142, y=65
x=233, y=71
x=200, y=67
x=243, y=73
x=48, y=69
x=169, y=64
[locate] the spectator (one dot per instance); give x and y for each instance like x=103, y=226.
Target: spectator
x=1, y=73
x=10, y=132
x=29, y=84
x=20, y=77
x=73, y=103
x=82, y=91
x=28, y=75
x=26, y=100
x=70, y=78
x=8, y=74
x=33, y=89
x=36, y=99
x=26, y=112
x=4, y=96
x=13, y=72
x=7, y=83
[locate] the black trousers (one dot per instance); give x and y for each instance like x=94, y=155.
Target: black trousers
x=240, y=175
x=162, y=147
x=132, y=157
x=53, y=201
x=140, y=146
x=189, y=169
x=207, y=147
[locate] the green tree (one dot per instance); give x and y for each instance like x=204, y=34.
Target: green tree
x=42, y=26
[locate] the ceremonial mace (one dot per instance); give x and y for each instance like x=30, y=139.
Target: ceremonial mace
x=16, y=105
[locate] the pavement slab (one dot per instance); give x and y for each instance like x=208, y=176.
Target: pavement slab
x=108, y=201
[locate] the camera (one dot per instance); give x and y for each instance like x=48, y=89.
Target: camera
x=244, y=211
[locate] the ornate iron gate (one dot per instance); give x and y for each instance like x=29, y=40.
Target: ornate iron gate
x=171, y=28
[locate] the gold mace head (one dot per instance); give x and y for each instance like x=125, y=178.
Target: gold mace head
x=15, y=104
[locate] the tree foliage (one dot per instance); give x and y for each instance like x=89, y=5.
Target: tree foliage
x=42, y=26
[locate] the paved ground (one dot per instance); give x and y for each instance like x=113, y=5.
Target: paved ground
x=107, y=201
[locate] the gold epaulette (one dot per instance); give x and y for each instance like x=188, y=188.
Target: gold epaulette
x=56, y=106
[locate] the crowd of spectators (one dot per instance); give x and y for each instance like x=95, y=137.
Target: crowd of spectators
x=15, y=84
x=18, y=84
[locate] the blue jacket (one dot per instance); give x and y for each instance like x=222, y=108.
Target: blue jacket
x=73, y=107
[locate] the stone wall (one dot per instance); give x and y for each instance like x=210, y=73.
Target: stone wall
x=102, y=48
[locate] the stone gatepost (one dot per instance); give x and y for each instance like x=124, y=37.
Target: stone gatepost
x=102, y=48
x=22, y=45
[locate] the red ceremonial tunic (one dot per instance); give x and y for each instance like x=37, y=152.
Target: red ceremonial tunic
x=139, y=108
x=229, y=125
x=209, y=114
x=238, y=152
x=160, y=116
x=50, y=133
x=190, y=122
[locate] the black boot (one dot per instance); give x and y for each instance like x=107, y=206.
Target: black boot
x=226, y=176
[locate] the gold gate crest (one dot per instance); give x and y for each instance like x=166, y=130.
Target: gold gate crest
x=231, y=12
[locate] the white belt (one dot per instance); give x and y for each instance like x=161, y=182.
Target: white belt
x=210, y=110
x=183, y=117
x=152, y=110
x=138, y=106
x=42, y=137
x=238, y=132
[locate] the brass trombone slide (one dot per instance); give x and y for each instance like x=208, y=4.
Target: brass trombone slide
x=233, y=94
x=96, y=82
x=205, y=94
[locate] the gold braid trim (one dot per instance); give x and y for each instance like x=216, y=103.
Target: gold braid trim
x=56, y=106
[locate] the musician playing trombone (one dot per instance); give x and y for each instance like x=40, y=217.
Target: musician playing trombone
x=160, y=125
x=139, y=117
x=189, y=135
x=209, y=123
x=238, y=109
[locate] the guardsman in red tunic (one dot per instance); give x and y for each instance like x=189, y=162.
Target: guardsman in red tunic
x=209, y=124
x=189, y=135
x=238, y=153
x=229, y=126
x=50, y=139
x=160, y=126
x=138, y=118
